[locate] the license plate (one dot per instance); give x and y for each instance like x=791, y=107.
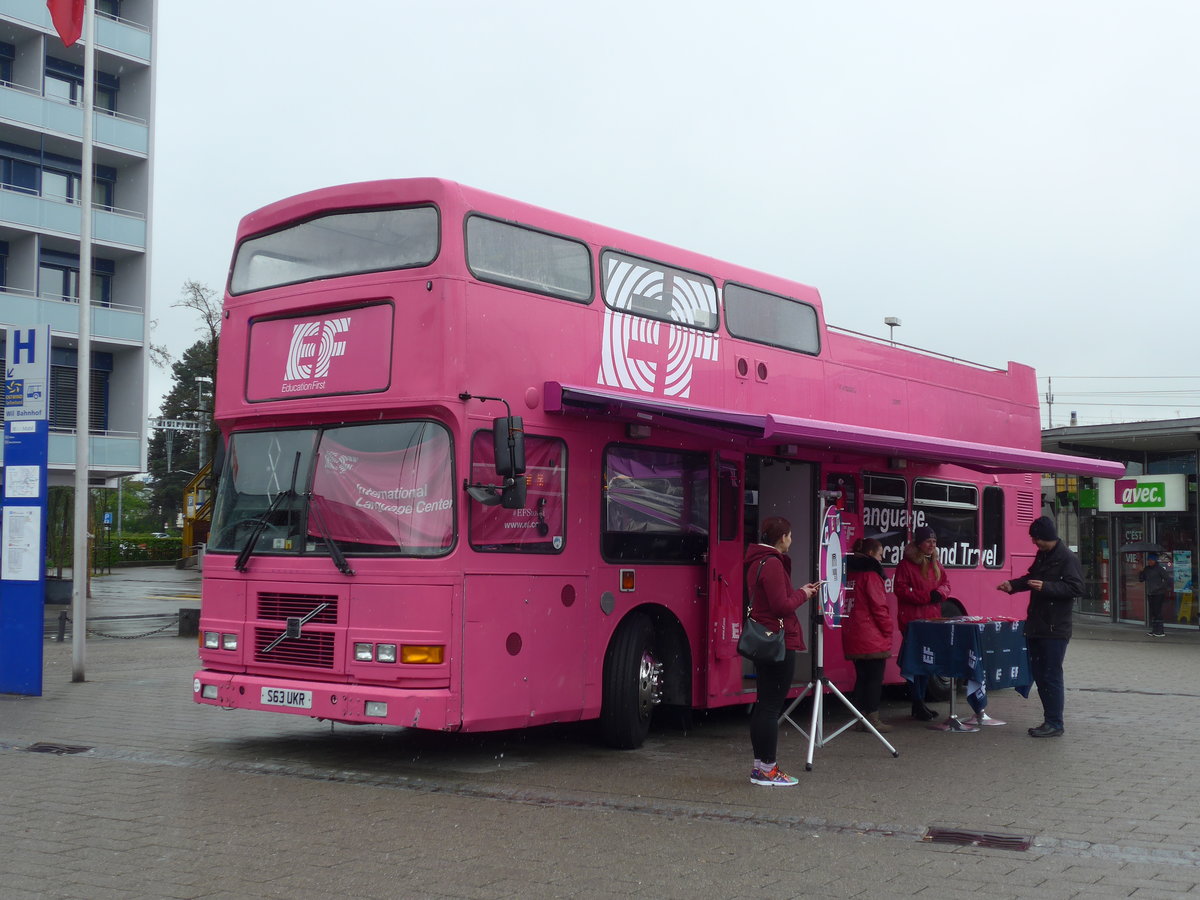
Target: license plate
x=292, y=699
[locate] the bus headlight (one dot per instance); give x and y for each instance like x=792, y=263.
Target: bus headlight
x=229, y=641
x=209, y=692
x=377, y=709
x=363, y=653
x=212, y=640
x=385, y=653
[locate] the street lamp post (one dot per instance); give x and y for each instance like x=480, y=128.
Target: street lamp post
x=201, y=380
x=891, y=322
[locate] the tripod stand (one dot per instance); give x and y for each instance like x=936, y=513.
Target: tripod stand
x=816, y=687
x=831, y=543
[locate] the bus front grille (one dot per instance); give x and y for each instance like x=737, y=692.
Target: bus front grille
x=312, y=650
x=280, y=607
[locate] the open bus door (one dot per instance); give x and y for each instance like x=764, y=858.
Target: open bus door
x=725, y=601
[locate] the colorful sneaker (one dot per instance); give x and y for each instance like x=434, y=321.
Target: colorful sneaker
x=773, y=778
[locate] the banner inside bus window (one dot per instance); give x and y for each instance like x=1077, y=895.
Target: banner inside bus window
x=397, y=498
x=538, y=528
x=832, y=568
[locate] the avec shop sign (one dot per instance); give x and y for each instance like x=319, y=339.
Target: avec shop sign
x=1162, y=493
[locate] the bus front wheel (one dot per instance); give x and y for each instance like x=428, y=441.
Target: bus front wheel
x=632, y=684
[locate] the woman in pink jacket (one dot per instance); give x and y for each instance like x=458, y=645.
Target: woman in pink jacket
x=921, y=585
x=868, y=628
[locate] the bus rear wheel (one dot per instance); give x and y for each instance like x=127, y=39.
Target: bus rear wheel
x=632, y=684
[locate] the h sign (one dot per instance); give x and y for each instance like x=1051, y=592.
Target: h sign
x=27, y=374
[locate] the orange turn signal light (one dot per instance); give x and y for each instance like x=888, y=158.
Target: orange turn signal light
x=423, y=654
x=628, y=580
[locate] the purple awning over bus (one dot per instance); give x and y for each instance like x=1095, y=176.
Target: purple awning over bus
x=562, y=398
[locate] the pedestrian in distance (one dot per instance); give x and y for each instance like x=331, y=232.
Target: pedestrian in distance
x=921, y=584
x=773, y=603
x=867, y=628
x=1054, y=580
x=1158, y=582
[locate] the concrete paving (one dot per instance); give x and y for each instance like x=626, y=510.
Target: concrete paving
x=121, y=786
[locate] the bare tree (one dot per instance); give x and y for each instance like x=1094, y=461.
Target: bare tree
x=207, y=302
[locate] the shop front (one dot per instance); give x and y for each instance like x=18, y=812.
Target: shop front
x=1120, y=524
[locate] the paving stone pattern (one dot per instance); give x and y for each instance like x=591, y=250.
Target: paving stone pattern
x=175, y=800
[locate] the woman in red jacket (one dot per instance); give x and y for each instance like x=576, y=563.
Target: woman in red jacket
x=868, y=628
x=921, y=585
x=773, y=602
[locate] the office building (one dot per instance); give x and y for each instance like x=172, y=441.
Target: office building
x=41, y=179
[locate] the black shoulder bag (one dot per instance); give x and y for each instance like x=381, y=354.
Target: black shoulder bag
x=757, y=643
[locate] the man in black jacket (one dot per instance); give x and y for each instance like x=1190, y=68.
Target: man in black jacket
x=1054, y=581
x=1158, y=583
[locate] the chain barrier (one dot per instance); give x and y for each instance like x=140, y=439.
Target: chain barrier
x=64, y=620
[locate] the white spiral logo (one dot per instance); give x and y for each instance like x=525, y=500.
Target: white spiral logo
x=308, y=358
x=632, y=355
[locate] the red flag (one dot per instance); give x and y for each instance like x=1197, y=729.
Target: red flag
x=67, y=16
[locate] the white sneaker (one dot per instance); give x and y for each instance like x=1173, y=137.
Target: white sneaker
x=984, y=719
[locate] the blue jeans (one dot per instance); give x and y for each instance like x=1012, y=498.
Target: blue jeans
x=1046, y=657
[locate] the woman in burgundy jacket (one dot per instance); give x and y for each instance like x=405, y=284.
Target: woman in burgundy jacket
x=921, y=585
x=773, y=603
x=868, y=628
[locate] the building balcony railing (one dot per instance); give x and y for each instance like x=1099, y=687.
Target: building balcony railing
x=29, y=107
x=119, y=35
x=109, y=322
x=110, y=453
x=122, y=227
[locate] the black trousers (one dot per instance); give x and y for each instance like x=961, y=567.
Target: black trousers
x=868, y=684
x=1156, y=602
x=774, y=682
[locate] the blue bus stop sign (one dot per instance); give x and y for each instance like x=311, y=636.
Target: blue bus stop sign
x=23, y=534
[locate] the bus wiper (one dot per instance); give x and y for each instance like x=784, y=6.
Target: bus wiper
x=335, y=551
x=260, y=524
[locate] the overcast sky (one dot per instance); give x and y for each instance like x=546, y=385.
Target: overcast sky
x=1015, y=181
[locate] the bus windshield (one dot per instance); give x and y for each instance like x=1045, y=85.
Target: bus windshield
x=381, y=489
x=341, y=243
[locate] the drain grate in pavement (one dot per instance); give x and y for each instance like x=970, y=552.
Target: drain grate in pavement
x=60, y=749
x=977, y=838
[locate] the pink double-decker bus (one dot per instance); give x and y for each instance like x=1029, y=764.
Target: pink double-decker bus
x=486, y=466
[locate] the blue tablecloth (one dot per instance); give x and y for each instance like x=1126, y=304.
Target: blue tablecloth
x=988, y=654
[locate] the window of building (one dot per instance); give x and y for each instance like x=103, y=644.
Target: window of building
x=1171, y=463
x=885, y=514
x=771, y=319
x=58, y=277
x=64, y=187
x=541, y=526
x=17, y=174
x=659, y=292
x=64, y=81
x=952, y=511
x=8, y=53
x=655, y=505
x=521, y=257
x=64, y=381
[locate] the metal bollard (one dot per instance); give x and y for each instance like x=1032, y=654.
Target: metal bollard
x=62, y=625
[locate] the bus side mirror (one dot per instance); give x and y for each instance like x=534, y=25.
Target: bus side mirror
x=513, y=494
x=508, y=440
